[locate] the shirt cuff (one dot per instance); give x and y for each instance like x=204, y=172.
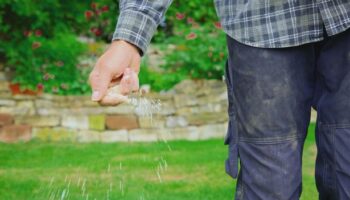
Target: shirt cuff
x=136, y=28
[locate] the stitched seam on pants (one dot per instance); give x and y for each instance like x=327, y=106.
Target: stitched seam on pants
x=335, y=125
x=271, y=140
x=326, y=164
x=335, y=161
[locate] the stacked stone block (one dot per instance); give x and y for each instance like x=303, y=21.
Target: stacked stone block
x=192, y=110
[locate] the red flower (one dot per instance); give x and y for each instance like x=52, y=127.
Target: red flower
x=105, y=22
x=94, y=6
x=46, y=76
x=38, y=33
x=195, y=25
x=27, y=33
x=222, y=54
x=180, y=16
x=59, y=63
x=64, y=86
x=36, y=45
x=218, y=25
x=98, y=12
x=88, y=14
x=40, y=86
x=98, y=32
x=105, y=8
x=93, y=29
x=191, y=36
x=190, y=20
x=54, y=89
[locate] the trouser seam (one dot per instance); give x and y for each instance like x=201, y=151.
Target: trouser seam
x=334, y=161
x=274, y=140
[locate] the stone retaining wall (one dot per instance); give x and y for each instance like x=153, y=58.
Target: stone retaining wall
x=193, y=110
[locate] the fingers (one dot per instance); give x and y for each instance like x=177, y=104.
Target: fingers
x=120, y=64
x=113, y=96
x=99, y=81
x=135, y=65
x=129, y=82
x=113, y=100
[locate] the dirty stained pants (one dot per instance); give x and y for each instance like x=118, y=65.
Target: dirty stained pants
x=271, y=92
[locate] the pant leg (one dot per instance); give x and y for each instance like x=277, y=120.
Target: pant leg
x=332, y=101
x=270, y=96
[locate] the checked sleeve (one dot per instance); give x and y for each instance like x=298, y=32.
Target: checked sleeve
x=138, y=21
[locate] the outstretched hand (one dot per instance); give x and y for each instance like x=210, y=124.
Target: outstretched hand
x=115, y=74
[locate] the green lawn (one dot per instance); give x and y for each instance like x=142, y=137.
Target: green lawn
x=191, y=170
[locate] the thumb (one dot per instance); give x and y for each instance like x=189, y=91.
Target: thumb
x=99, y=81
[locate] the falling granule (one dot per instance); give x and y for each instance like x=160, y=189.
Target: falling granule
x=145, y=107
x=63, y=195
x=142, y=197
x=161, y=167
x=165, y=164
x=51, y=181
x=83, y=188
x=78, y=184
x=121, y=187
x=109, y=168
x=166, y=143
x=159, y=177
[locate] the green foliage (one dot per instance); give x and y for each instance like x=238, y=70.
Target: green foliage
x=20, y=16
x=39, y=42
x=159, y=81
x=199, y=11
x=50, y=64
x=200, y=44
x=202, y=11
x=54, y=25
x=200, y=52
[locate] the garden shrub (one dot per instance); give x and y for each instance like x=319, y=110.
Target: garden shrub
x=159, y=81
x=48, y=64
x=200, y=52
x=38, y=41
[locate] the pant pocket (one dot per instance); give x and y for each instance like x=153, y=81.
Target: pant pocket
x=333, y=162
x=231, y=164
x=270, y=170
x=231, y=139
x=341, y=136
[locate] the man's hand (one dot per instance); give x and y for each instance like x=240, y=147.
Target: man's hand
x=120, y=64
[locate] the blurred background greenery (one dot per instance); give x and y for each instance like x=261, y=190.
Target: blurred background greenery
x=46, y=44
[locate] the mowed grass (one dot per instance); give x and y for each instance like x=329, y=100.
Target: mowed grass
x=191, y=170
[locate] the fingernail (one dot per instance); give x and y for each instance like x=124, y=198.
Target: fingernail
x=95, y=96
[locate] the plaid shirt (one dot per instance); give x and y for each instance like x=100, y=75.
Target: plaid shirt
x=259, y=23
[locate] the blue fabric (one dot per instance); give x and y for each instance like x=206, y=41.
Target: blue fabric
x=271, y=92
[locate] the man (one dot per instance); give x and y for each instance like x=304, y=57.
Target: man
x=285, y=56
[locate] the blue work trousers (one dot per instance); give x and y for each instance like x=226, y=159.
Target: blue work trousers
x=271, y=93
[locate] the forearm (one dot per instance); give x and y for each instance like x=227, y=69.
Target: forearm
x=138, y=21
